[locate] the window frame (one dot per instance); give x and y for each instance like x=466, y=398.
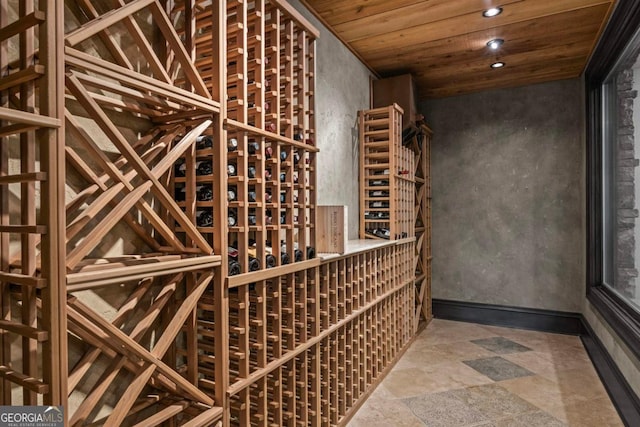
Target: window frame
x=618, y=313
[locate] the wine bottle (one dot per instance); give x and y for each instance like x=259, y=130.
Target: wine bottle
x=253, y=147
x=180, y=168
x=296, y=157
x=231, y=169
x=251, y=219
x=254, y=264
x=232, y=218
x=268, y=152
x=381, y=172
x=232, y=144
x=204, y=218
x=234, y=267
x=295, y=178
x=204, y=141
x=271, y=127
x=267, y=174
x=297, y=255
x=311, y=252
x=298, y=136
x=284, y=258
x=283, y=197
x=283, y=177
x=378, y=193
x=251, y=171
x=231, y=194
x=204, y=192
x=283, y=155
x=379, y=183
x=204, y=167
x=270, y=261
x=252, y=196
x=180, y=194
x=283, y=217
x=378, y=205
x=268, y=198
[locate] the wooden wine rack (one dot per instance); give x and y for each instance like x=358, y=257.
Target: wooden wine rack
x=387, y=185
x=116, y=282
x=421, y=145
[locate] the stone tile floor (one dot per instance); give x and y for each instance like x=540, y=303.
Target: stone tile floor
x=462, y=375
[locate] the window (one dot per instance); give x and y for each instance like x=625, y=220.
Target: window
x=613, y=174
x=621, y=175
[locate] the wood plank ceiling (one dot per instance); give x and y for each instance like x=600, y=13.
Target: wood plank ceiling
x=443, y=43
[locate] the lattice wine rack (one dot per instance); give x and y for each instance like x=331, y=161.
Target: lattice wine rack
x=387, y=184
x=157, y=222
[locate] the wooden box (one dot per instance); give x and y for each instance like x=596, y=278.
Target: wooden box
x=397, y=90
x=331, y=229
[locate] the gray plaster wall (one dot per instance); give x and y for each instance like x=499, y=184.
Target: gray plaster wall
x=507, y=176
x=342, y=88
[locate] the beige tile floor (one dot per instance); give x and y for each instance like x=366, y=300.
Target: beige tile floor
x=464, y=374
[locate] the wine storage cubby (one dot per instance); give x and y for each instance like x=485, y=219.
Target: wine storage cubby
x=387, y=185
x=157, y=222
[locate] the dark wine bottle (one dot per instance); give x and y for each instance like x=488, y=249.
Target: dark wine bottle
x=267, y=174
x=180, y=194
x=232, y=170
x=204, y=141
x=251, y=171
x=253, y=147
x=268, y=152
x=270, y=261
x=283, y=155
x=379, y=205
x=378, y=193
x=295, y=178
x=284, y=258
x=252, y=196
x=296, y=157
x=283, y=217
x=379, y=183
x=268, y=198
x=204, y=218
x=254, y=264
x=204, y=167
x=283, y=197
x=204, y=192
x=297, y=255
x=251, y=218
x=283, y=177
x=311, y=252
x=180, y=168
x=232, y=144
x=234, y=267
x=298, y=136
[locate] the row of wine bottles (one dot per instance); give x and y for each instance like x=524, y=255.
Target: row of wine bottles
x=385, y=233
x=204, y=193
x=235, y=267
x=204, y=218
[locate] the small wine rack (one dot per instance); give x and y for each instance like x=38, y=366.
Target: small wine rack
x=387, y=184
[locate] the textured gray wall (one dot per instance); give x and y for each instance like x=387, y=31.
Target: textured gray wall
x=507, y=171
x=342, y=88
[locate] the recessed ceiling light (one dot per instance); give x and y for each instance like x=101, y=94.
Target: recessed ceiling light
x=495, y=44
x=498, y=64
x=490, y=13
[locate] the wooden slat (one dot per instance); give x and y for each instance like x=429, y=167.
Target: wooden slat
x=23, y=177
x=24, y=330
x=24, y=117
x=205, y=419
x=31, y=73
x=105, y=21
x=34, y=18
x=29, y=383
